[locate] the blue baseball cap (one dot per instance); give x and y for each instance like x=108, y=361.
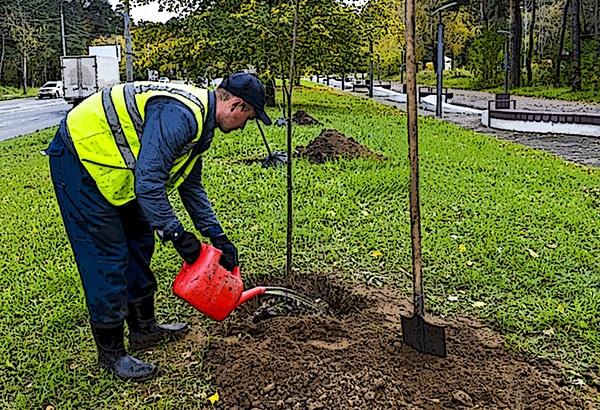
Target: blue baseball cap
x=251, y=90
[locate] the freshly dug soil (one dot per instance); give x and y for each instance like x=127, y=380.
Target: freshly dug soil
x=302, y=118
x=331, y=144
x=353, y=358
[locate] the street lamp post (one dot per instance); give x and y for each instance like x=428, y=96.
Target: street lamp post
x=370, y=68
x=401, y=67
x=524, y=8
x=440, y=58
x=506, y=48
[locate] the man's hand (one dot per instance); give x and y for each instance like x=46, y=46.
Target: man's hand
x=188, y=247
x=229, y=258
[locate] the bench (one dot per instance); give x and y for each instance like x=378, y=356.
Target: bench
x=569, y=118
x=359, y=87
x=403, y=89
x=502, y=101
x=424, y=91
x=364, y=85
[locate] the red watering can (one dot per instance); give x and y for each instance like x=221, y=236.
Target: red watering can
x=211, y=288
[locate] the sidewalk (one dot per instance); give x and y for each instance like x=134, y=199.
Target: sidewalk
x=478, y=99
x=579, y=149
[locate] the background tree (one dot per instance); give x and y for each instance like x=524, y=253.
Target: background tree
x=516, y=31
x=576, y=85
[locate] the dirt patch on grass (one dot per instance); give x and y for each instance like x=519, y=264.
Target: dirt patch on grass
x=302, y=118
x=331, y=144
x=353, y=358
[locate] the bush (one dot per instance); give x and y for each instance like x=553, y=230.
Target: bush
x=486, y=59
x=590, y=58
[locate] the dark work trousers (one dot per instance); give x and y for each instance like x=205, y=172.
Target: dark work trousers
x=112, y=245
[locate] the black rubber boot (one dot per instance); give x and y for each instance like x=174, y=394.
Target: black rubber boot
x=144, y=330
x=112, y=355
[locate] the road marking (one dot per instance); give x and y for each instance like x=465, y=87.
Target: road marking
x=31, y=107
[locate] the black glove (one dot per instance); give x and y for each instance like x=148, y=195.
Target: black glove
x=188, y=247
x=229, y=258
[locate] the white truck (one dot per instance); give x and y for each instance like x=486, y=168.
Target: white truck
x=85, y=75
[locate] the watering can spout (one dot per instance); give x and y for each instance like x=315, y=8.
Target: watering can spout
x=249, y=294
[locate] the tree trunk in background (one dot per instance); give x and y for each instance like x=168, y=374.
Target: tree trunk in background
x=576, y=47
x=270, y=93
x=561, y=41
x=496, y=17
x=530, y=46
x=2, y=57
x=24, y=72
x=484, y=17
x=596, y=28
x=516, y=41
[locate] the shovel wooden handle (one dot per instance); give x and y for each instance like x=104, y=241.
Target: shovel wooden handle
x=413, y=149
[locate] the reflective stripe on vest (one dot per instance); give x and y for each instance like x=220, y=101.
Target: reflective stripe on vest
x=106, y=130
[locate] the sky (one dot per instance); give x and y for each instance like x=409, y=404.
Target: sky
x=147, y=13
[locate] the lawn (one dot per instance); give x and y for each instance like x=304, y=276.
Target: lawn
x=509, y=234
x=11, y=93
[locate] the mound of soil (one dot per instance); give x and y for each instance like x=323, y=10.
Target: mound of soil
x=331, y=144
x=302, y=118
x=354, y=358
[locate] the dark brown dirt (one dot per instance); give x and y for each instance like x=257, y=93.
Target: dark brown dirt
x=331, y=144
x=302, y=118
x=355, y=359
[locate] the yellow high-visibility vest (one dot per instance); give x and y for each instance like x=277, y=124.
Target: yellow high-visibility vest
x=106, y=130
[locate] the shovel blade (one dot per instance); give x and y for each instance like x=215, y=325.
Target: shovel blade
x=424, y=337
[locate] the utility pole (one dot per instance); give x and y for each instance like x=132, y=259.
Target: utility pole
x=62, y=29
x=127, y=35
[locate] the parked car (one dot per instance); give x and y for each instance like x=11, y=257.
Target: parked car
x=52, y=89
x=164, y=80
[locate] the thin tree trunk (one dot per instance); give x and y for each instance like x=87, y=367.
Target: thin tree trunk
x=561, y=41
x=484, y=16
x=530, y=46
x=576, y=47
x=2, y=56
x=596, y=11
x=516, y=41
x=496, y=14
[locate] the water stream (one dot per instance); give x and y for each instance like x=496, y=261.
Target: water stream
x=298, y=297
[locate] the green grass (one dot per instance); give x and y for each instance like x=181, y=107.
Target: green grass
x=464, y=80
x=504, y=225
x=11, y=93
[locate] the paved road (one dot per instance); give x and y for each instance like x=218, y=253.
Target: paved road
x=23, y=116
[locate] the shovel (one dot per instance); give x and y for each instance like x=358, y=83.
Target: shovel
x=275, y=158
x=416, y=332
